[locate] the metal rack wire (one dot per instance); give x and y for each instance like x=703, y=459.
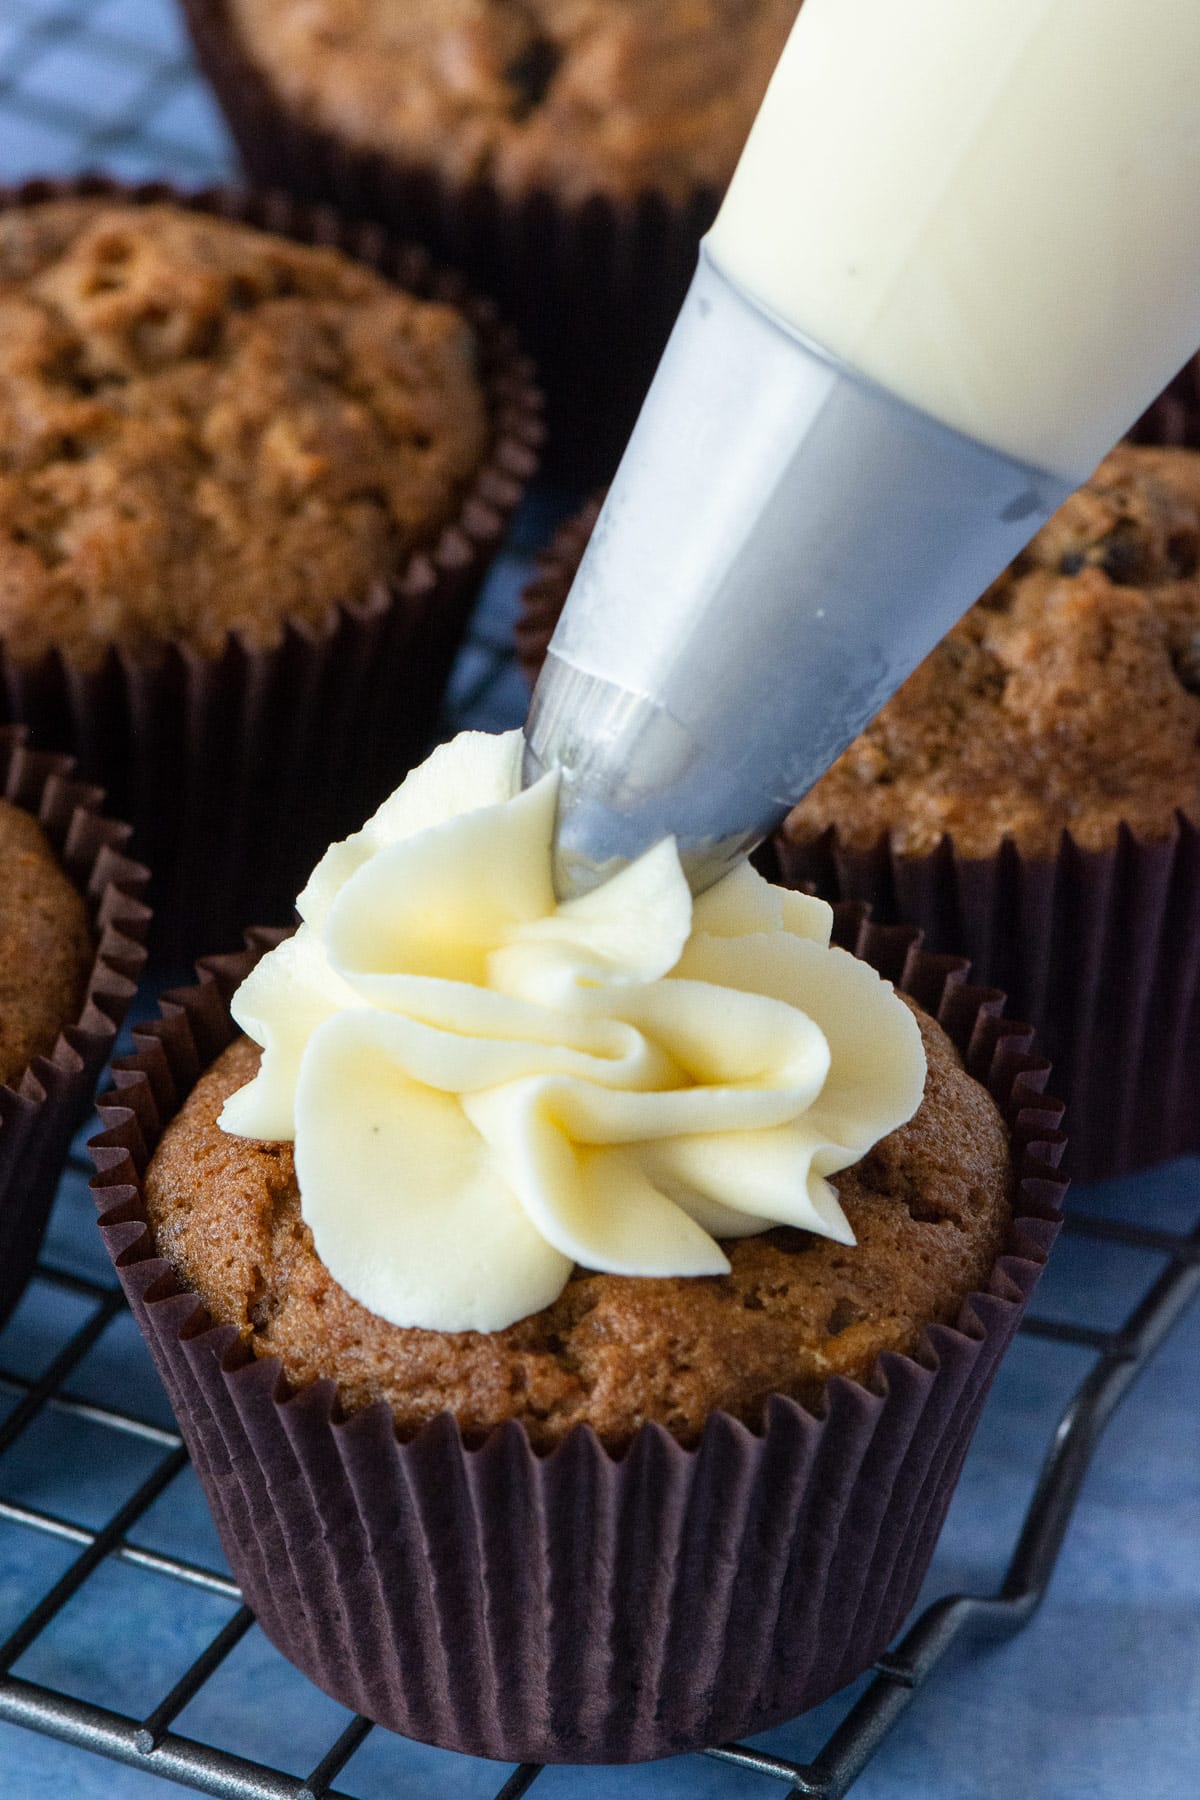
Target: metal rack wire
x=150, y=1742
x=85, y=83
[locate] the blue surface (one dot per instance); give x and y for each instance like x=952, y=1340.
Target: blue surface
x=1099, y=1699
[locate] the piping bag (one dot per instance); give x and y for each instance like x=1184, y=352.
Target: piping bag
x=959, y=256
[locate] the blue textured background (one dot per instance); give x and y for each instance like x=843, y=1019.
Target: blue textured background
x=1099, y=1699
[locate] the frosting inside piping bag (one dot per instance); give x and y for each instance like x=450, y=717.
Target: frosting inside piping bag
x=486, y=1088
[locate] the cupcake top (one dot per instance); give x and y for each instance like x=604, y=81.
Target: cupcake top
x=46, y=948
x=621, y=1158
x=579, y=96
x=205, y=429
x=1067, y=699
x=487, y=1087
x=928, y=1206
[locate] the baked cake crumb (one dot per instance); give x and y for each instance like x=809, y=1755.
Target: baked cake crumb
x=1067, y=699
x=581, y=97
x=205, y=429
x=46, y=949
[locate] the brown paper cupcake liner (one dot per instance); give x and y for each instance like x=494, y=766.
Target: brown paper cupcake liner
x=39, y=1114
x=1174, y=418
x=593, y=286
x=579, y=1606
x=237, y=770
x=1101, y=949
x=543, y=597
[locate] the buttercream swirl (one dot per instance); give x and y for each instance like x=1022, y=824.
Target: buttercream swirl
x=486, y=1088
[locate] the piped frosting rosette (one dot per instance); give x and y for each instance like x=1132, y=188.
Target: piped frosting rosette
x=486, y=1088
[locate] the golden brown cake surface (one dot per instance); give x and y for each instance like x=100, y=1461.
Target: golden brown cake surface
x=206, y=429
x=580, y=96
x=1068, y=698
x=929, y=1206
x=45, y=946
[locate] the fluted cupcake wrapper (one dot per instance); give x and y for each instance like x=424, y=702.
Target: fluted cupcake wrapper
x=578, y=1606
x=39, y=1114
x=593, y=286
x=1101, y=948
x=544, y=595
x=237, y=770
x=1174, y=418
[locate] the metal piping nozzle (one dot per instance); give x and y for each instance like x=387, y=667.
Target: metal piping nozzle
x=782, y=544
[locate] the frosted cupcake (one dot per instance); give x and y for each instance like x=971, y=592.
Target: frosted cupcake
x=596, y=1248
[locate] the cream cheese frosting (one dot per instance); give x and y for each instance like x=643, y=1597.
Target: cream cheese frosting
x=486, y=1088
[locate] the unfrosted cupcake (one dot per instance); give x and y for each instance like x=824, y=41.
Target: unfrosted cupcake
x=1031, y=798
x=209, y=430
x=567, y=153
x=619, y=1319
x=72, y=929
x=248, y=488
x=1066, y=701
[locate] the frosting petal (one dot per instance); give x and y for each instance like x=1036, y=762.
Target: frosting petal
x=592, y=1201
x=486, y=1088
x=756, y=1175
x=634, y=928
x=747, y=902
x=406, y=1203
x=455, y=1062
x=409, y=910
x=475, y=770
x=877, y=1066
x=280, y=1004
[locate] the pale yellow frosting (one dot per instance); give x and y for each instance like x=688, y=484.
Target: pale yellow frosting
x=486, y=1088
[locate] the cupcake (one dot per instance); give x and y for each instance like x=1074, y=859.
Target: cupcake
x=46, y=950
x=1031, y=799
x=568, y=156
x=72, y=927
x=249, y=489
x=577, y=1314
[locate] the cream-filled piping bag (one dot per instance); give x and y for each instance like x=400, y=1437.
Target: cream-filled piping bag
x=958, y=258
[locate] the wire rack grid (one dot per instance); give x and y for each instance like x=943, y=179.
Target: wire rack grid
x=95, y=1488
x=90, y=83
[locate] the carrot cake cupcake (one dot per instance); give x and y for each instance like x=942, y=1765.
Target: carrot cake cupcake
x=568, y=154
x=248, y=487
x=598, y=1294
x=72, y=929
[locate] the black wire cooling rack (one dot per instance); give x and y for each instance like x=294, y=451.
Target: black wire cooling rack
x=150, y=1743
x=85, y=83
